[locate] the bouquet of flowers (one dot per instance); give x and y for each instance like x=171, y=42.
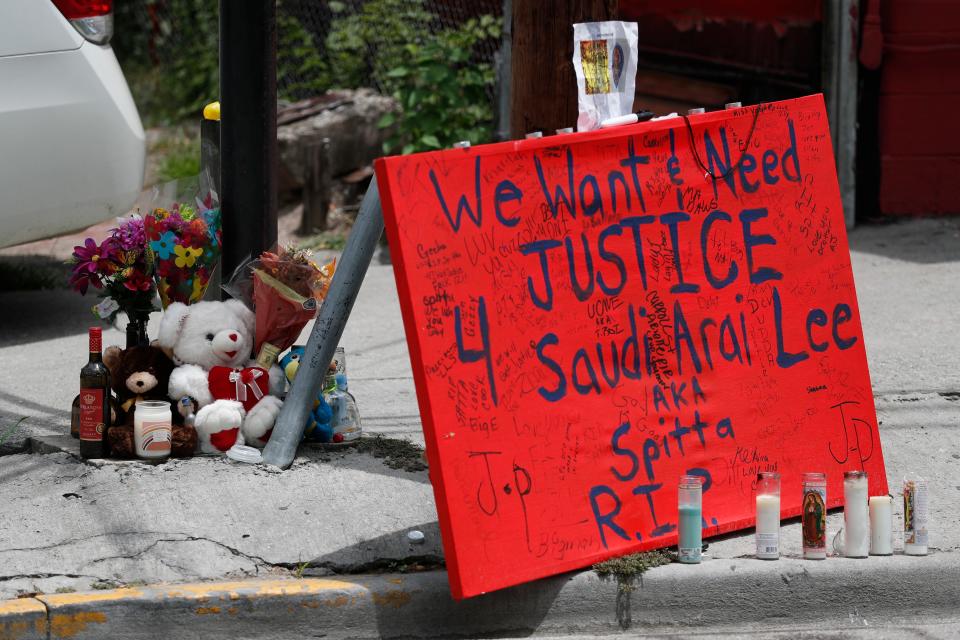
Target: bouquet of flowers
x=183, y=245
x=285, y=289
x=118, y=267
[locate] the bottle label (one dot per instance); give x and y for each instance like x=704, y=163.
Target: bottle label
x=155, y=436
x=689, y=554
x=915, y=513
x=814, y=519
x=768, y=544
x=91, y=415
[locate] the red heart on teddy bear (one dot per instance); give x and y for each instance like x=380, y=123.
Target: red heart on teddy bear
x=225, y=439
x=246, y=386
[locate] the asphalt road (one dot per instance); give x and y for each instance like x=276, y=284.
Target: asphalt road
x=892, y=629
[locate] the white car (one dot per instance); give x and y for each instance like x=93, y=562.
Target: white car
x=72, y=148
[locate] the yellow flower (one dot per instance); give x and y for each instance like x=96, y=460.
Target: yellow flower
x=186, y=256
x=198, y=288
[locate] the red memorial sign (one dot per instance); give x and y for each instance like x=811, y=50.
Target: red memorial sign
x=591, y=316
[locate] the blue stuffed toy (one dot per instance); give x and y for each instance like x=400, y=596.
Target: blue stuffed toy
x=319, y=427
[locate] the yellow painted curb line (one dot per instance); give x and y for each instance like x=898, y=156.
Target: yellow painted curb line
x=21, y=606
x=22, y=618
x=65, y=615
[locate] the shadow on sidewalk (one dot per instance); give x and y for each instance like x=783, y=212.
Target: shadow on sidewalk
x=34, y=316
x=924, y=240
x=351, y=458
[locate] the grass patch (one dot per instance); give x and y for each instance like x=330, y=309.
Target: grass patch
x=31, y=273
x=395, y=453
x=626, y=569
x=105, y=585
x=330, y=240
x=180, y=159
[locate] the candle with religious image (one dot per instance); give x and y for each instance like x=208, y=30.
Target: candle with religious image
x=915, y=506
x=814, y=516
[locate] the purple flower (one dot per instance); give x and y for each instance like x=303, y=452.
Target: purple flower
x=130, y=235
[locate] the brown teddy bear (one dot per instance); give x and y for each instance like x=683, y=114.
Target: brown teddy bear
x=136, y=374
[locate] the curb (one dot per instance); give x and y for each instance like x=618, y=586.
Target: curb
x=845, y=593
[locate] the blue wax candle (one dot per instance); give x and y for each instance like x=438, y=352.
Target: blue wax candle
x=690, y=541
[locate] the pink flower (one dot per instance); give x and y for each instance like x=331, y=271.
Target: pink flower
x=87, y=256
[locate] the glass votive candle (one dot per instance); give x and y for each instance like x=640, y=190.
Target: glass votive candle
x=915, y=514
x=881, y=526
x=152, y=429
x=856, y=521
x=690, y=533
x=814, y=516
x=768, y=515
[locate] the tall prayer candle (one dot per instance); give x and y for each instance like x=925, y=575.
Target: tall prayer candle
x=855, y=519
x=915, y=505
x=814, y=516
x=690, y=534
x=768, y=515
x=881, y=523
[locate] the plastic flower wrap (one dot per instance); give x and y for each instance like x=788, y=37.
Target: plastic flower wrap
x=119, y=268
x=285, y=289
x=183, y=244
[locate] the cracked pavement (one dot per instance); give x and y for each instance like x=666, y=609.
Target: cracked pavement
x=65, y=524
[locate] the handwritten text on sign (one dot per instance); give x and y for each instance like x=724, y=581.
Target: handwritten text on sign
x=591, y=316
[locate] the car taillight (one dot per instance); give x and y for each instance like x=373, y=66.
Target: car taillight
x=92, y=18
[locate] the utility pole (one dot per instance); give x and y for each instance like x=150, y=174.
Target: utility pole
x=248, y=134
x=544, y=86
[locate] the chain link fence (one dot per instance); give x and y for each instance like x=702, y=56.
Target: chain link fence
x=169, y=48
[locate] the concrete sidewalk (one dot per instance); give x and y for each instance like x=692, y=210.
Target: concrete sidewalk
x=71, y=526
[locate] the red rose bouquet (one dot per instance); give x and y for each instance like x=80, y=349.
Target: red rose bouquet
x=285, y=289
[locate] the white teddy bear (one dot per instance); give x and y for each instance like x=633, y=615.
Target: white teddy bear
x=211, y=343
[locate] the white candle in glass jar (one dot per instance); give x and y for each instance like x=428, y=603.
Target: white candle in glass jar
x=768, y=527
x=856, y=535
x=768, y=515
x=881, y=526
x=152, y=429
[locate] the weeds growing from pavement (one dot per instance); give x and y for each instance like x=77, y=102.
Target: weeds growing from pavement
x=626, y=570
x=9, y=432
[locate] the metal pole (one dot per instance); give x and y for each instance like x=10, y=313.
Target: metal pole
x=248, y=134
x=839, y=44
x=504, y=73
x=332, y=317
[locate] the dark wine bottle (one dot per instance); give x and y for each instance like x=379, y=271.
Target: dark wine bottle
x=94, y=400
